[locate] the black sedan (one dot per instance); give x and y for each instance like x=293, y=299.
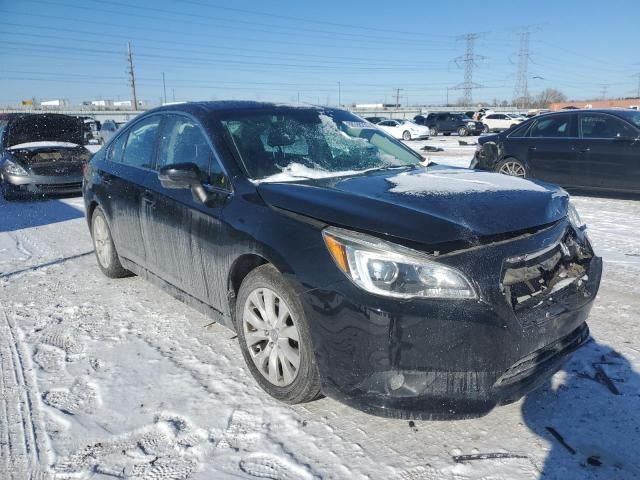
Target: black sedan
x=346, y=265
x=585, y=149
x=41, y=153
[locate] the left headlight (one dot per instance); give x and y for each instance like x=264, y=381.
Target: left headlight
x=574, y=217
x=391, y=270
x=13, y=168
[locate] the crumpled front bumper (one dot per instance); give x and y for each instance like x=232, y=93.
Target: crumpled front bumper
x=444, y=359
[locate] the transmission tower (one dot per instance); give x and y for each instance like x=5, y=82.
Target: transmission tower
x=521, y=90
x=468, y=61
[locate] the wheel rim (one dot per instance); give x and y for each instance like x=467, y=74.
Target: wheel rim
x=485, y=129
x=462, y=132
x=515, y=169
x=102, y=241
x=271, y=336
x=406, y=136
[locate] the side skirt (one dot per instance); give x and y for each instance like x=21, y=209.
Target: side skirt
x=178, y=294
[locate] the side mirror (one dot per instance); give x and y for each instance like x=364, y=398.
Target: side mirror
x=179, y=175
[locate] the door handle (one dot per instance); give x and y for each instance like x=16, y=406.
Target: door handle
x=532, y=148
x=148, y=198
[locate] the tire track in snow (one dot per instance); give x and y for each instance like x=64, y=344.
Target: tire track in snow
x=23, y=451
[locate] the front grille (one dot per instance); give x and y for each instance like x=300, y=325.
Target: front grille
x=541, y=360
x=60, y=187
x=57, y=170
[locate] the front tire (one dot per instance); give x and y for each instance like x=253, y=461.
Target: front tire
x=406, y=135
x=274, y=337
x=463, y=132
x=513, y=167
x=433, y=131
x=105, y=249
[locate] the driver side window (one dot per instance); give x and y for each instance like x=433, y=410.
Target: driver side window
x=183, y=141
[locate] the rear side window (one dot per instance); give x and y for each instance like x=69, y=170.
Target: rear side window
x=114, y=154
x=604, y=126
x=141, y=143
x=552, y=127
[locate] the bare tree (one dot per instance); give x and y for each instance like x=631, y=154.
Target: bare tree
x=548, y=96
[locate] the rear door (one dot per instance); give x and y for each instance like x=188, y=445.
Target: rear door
x=182, y=236
x=127, y=170
x=552, y=150
x=610, y=152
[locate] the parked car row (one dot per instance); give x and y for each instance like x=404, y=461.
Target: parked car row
x=589, y=149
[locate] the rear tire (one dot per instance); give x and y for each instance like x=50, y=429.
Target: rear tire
x=271, y=336
x=511, y=166
x=105, y=249
x=406, y=135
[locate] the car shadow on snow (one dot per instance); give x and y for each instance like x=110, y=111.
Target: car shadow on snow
x=34, y=212
x=590, y=415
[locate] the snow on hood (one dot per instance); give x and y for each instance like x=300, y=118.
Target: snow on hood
x=297, y=171
x=29, y=145
x=449, y=182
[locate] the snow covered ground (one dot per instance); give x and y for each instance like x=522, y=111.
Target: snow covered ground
x=111, y=379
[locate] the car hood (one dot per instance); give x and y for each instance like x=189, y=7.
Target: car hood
x=430, y=205
x=44, y=128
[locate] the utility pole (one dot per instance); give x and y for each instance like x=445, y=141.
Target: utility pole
x=637, y=75
x=398, y=90
x=164, y=88
x=521, y=90
x=173, y=91
x=132, y=78
x=339, y=94
x=469, y=62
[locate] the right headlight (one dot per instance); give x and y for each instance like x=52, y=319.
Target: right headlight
x=392, y=270
x=574, y=217
x=13, y=168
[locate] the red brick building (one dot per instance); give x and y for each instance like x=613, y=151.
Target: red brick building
x=626, y=103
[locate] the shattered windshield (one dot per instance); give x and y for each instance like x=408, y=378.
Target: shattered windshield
x=311, y=143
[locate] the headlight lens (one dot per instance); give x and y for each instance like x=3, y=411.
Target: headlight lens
x=574, y=217
x=471, y=124
x=391, y=270
x=13, y=168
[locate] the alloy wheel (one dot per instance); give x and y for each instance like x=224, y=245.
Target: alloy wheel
x=514, y=169
x=102, y=241
x=271, y=336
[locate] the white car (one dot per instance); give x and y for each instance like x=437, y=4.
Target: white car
x=404, y=129
x=497, y=122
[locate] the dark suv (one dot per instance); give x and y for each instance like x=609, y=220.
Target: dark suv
x=345, y=265
x=450, y=122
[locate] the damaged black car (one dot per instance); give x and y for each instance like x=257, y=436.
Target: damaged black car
x=347, y=265
x=41, y=154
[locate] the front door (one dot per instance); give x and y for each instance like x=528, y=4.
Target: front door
x=552, y=150
x=182, y=236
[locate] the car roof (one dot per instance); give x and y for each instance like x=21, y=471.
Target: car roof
x=199, y=108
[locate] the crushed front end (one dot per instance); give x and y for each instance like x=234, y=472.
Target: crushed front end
x=446, y=358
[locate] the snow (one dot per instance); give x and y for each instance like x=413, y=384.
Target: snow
x=297, y=171
x=451, y=181
x=108, y=379
x=43, y=145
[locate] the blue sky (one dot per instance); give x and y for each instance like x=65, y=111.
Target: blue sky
x=285, y=50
